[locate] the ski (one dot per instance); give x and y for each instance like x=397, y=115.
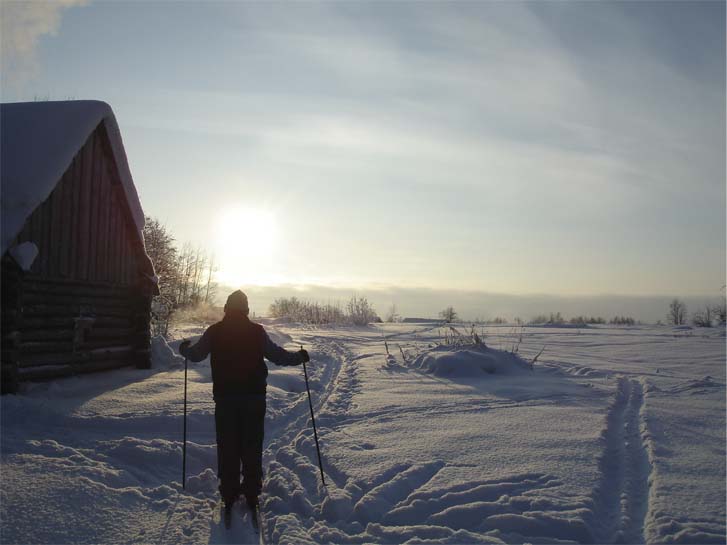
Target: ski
x=257, y=523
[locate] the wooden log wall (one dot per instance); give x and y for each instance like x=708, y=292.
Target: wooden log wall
x=10, y=324
x=71, y=327
x=82, y=307
x=84, y=229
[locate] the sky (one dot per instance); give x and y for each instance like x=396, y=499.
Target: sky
x=557, y=148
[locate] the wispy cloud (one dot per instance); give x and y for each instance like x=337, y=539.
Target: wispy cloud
x=569, y=133
x=22, y=25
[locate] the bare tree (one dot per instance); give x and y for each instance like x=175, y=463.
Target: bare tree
x=211, y=287
x=704, y=317
x=449, y=315
x=677, y=314
x=160, y=249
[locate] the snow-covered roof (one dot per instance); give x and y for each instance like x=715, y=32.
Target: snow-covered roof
x=38, y=141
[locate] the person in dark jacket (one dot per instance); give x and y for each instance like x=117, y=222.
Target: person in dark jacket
x=239, y=347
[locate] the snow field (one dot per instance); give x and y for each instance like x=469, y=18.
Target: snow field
x=615, y=435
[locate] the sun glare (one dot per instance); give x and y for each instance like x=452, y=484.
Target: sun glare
x=246, y=240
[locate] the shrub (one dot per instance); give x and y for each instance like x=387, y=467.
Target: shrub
x=360, y=311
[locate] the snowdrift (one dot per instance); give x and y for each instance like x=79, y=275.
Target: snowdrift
x=163, y=356
x=472, y=361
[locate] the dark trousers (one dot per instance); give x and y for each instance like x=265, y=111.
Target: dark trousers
x=240, y=424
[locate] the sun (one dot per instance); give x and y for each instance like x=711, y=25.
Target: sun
x=245, y=245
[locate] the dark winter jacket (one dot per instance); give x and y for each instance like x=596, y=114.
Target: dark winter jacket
x=238, y=347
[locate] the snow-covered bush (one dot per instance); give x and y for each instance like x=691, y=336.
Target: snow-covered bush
x=360, y=311
x=307, y=312
x=471, y=362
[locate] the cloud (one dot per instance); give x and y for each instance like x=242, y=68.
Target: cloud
x=22, y=25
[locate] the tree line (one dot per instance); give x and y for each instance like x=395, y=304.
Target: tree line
x=357, y=311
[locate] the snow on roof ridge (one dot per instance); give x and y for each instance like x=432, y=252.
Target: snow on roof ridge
x=38, y=141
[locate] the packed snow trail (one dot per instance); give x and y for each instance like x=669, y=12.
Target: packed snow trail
x=616, y=435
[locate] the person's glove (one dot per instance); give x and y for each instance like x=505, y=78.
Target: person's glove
x=184, y=347
x=304, y=357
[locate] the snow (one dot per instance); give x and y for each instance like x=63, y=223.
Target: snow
x=24, y=254
x=616, y=434
x=39, y=141
x=470, y=362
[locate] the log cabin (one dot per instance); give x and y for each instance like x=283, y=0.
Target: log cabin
x=76, y=281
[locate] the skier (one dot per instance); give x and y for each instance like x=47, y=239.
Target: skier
x=238, y=347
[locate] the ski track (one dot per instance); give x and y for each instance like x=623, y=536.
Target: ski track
x=622, y=497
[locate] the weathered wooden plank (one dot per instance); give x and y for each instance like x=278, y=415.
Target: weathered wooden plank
x=62, y=189
x=112, y=353
x=103, y=224
x=98, y=333
x=75, y=310
x=125, y=255
x=55, y=347
x=35, y=335
x=94, y=197
x=68, y=322
x=114, y=237
x=31, y=298
x=59, y=347
x=65, y=228
x=85, y=208
x=35, y=236
x=75, y=221
x=79, y=297
x=56, y=198
x=42, y=244
x=61, y=285
x=119, y=236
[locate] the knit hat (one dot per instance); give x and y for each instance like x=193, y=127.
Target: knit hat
x=237, y=301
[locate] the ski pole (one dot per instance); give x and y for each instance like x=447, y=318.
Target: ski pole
x=313, y=419
x=184, y=442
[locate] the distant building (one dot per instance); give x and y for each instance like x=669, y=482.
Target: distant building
x=76, y=281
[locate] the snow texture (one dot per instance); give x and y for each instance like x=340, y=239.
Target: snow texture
x=614, y=435
x=24, y=254
x=39, y=141
x=475, y=361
